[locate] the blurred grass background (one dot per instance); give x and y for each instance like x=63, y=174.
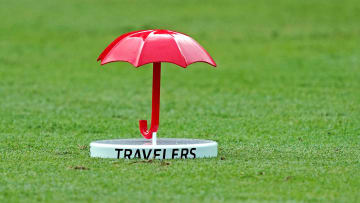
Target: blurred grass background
x=283, y=103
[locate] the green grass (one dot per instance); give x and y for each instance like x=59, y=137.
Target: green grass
x=283, y=104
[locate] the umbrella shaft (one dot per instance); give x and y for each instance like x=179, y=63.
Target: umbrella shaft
x=155, y=97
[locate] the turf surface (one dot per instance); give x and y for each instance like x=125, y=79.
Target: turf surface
x=283, y=104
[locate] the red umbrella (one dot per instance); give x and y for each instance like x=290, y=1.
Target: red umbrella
x=155, y=46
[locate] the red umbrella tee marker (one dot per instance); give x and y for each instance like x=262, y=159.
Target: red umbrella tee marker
x=155, y=46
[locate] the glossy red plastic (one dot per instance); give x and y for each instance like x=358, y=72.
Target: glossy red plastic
x=155, y=46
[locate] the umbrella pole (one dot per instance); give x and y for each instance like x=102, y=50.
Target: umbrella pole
x=155, y=114
x=148, y=134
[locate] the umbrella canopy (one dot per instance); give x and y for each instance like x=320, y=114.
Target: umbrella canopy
x=155, y=46
x=149, y=46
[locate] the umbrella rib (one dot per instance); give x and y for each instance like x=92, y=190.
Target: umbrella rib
x=140, y=50
x=117, y=44
x=181, y=52
x=139, y=54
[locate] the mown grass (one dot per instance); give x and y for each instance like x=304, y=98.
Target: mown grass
x=283, y=103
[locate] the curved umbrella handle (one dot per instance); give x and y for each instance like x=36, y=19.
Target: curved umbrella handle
x=147, y=134
x=155, y=105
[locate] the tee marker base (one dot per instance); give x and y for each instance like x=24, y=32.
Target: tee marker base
x=163, y=148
